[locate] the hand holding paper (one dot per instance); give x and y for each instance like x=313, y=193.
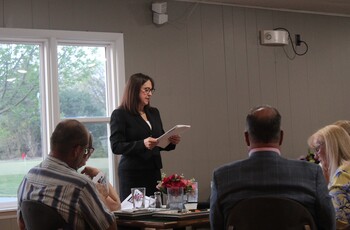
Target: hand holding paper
x=174, y=132
x=150, y=142
x=174, y=139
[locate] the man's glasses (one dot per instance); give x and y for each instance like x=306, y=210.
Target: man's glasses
x=89, y=150
x=148, y=90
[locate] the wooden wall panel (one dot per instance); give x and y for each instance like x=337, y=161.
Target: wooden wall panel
x=321, y=72
x=41, y=17
x=198, y=135
x=8, y=220
x=283, y=86
x=8, y=224
x=298, y=73
x=315, y=73
x=242, y=96
x=266, y=60
x=254, y=77
x=2, y=10
x=235, y=136
x=339, y=61
x=61, y=15
x=215, y=91
x=173, y=87
x=18, y=13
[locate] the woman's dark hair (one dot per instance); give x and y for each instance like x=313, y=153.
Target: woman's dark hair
x=264, y=129
x=131, y=98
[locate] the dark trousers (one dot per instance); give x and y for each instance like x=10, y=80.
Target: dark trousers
x=147, y=178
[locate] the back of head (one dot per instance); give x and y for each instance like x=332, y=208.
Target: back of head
x=131, y=98
x=67, y=135
x=345, y=124
x=264, y=124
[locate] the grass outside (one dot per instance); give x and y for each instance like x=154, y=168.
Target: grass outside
x=12, y=173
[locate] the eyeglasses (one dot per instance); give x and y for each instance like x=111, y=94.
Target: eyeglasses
x=89, y=150
x=148, y=90
x=318, y=147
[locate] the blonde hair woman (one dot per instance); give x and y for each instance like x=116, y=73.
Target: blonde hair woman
x=345, y=124
x=332, y=149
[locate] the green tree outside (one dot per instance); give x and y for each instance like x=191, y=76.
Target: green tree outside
x=81, y=94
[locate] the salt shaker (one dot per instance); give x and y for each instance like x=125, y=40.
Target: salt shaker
x=158, y=199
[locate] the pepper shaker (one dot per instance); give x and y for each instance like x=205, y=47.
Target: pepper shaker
x=158, y=198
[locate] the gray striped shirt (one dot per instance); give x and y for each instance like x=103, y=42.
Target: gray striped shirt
x=72, y=194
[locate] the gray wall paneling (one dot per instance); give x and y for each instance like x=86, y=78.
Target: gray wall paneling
x=18, y=14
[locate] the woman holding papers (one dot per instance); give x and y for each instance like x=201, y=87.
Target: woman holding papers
x=135, y=127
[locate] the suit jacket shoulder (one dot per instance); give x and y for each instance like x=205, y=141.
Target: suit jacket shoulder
x=269, y=174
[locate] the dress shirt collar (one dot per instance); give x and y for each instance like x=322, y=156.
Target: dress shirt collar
x=270, y=149
x=58, y=161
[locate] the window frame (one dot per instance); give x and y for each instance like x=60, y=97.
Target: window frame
x=115, y=80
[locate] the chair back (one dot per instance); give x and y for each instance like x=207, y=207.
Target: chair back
x=39, y=216
x=270, y=213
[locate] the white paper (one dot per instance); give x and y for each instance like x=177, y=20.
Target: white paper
x=99, y=178
x=176, y=130
x=127, y=203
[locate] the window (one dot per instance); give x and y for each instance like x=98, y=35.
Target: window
x=45, y=77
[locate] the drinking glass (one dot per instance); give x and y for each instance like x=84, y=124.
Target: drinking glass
x=175, y=198
x=192, y=197
x=138, y=197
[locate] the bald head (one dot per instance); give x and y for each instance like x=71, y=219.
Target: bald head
x=67, y=135
x=264, y=125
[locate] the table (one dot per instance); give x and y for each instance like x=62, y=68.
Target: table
x=163, y=223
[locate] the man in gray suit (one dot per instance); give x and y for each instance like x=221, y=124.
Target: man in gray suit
x=267, y=173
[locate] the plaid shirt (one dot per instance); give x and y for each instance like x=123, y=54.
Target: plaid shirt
x=72, y=194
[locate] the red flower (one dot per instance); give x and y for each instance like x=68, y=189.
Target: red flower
x=175, y=180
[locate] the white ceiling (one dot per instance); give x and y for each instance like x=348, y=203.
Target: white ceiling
x=334, y=7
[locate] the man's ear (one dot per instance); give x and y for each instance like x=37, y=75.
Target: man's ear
x=246, y=137
x=281, y=137
x=77, y=151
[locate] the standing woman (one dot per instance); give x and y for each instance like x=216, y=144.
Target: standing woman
x=135, y=127
x=332, y=149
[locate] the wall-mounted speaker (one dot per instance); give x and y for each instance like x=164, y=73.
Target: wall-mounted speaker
x=159, y=12
x=274, y=37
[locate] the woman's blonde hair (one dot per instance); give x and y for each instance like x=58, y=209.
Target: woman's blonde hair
x=345, y=124
x=337, y=145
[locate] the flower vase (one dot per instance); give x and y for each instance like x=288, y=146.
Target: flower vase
x=175, y=198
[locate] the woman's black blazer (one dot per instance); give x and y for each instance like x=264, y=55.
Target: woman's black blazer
x=127, y=134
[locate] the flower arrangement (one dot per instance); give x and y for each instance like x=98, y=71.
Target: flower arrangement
x=175, y=180
x=310, y=157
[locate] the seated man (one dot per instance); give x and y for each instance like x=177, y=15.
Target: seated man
x=56, y=182
x=267, y=173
